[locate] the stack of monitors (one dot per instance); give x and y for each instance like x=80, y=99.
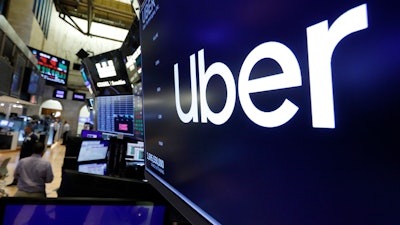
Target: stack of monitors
x=92, y=156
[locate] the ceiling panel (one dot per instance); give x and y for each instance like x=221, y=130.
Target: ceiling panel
x=110, y=12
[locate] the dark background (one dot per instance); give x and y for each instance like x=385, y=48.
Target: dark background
x=241, y=173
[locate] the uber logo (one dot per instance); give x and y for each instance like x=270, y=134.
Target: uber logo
x=321, y=40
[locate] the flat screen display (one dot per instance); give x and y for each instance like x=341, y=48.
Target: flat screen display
x=17, y=77
x=53, y=69
x=91, y=134
x=80, y=211
x=3, y=123
x=79, y=96
x=92, y=150
x=36, y=83
x=107, y=73
x=135, y=151
x=7, y=76
x=93, y=168
x=273, y=112
x=115, y=114
x=58, y=93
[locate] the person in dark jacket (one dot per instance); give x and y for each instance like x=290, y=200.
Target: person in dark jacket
x=29, y=141
x=27, y=146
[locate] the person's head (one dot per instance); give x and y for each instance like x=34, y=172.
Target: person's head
x=28, y=130
x=38, y=148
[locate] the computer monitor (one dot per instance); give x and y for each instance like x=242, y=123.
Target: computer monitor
x=93, y=150
x=80, y=211
x=135, y=151
x=91, y=134
x=3, y=123
x=93, y=168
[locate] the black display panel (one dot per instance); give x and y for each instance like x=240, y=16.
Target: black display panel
x=33, y=83
x=36, y=83
x=91, y=134
x=107, y=74
x=115, y=114
x=6, y=76
x=79, y=96
x=80, y=211
x=18, y=74
x=280, y=112
x=61, y=94
x=53, y=69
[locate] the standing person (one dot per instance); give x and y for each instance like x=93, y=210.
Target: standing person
x=27, y=146
x=29, y=140
x=56, y=127
x=33, y=173
x=65, y=132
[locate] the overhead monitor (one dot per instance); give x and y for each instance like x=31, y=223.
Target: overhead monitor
x=59, y=93
x=106, y=74
x=273, y=112
x=115, y=114
x=53, y=68
x=79, y=96
x=32, y=85
x=7, y=76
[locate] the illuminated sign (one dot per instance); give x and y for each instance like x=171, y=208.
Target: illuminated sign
x=106, y=69
x=322, y=41
x=78, y=96
x=52, y=68
x=59, y=94
x=148, y=12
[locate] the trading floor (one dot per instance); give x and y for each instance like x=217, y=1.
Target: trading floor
x=54, y=153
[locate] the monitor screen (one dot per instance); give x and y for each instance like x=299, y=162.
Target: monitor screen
x=6, y=73
x=61, y=94
x=92, y=150
x=273, y=112
x=135, y=151
x=32, y=84
x=115, y=114
x=107, y=73
x=93, y=168
x=79, y=96
x=80, y=211
x=91, y=134
x=36, y=83
x=53, y=69
x=3, y=123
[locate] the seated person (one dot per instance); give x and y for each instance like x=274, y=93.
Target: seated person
x=33, y=173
